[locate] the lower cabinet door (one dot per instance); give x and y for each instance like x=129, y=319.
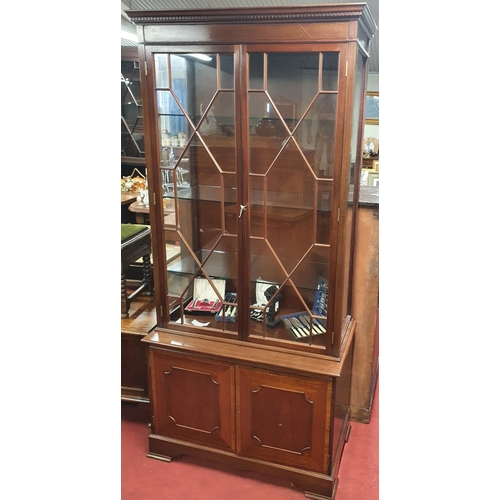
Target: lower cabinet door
x=193, y=399
x=283, y=419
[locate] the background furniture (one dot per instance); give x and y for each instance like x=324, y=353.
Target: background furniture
x=271, y=396
x=135, y=244
x=365, y=306
x=134, y=353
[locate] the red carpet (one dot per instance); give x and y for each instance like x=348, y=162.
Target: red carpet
x=192, y=479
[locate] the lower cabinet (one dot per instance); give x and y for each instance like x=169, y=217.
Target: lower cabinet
x=287, y=425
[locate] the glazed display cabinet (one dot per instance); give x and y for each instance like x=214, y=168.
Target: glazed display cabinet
x=253, y=144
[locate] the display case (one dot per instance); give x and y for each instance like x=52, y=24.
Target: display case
x=253, y=122
x=132, y=128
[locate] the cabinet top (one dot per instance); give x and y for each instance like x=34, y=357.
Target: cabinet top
x=347, y=22
x=280, y=14
x=255, y=354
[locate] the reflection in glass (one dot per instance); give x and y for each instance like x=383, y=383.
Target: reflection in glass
x=323, y=115
x=256, y=71
x=222, y=148
x=173, y=125
x=161, y=71
x=226, y=71
x=132, y=135
x=330, y=70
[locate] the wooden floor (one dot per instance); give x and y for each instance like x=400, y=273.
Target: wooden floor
x=142, y=316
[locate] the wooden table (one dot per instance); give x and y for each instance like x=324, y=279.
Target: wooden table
x=140, y=211
x=127, y=197
x=142, y=214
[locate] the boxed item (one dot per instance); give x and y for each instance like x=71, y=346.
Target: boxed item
x=264, y=290
x=230, y=311
x=297, y=324
x=205, y=300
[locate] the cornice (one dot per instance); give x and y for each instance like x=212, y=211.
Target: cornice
x=321, y=13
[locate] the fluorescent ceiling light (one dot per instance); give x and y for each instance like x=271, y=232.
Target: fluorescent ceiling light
x=130, y=36
x=203, y=57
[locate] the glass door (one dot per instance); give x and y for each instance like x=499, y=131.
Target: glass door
x=295, y=160
x=196, y=160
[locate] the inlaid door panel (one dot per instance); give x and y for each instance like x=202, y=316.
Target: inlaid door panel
x=193, y=399
x=283, y=419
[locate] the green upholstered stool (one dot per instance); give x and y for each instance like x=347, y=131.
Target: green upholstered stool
x=136, y=243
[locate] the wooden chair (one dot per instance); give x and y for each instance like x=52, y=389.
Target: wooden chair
x=135, y=243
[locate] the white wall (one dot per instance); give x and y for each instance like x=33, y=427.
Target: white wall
x=372, y=86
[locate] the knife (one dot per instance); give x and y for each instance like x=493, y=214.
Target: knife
x=306, y=321
x=294, y=330
x=319, y=325
x=298, y=325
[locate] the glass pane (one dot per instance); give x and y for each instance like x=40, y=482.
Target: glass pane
x=175, y=131
x=356, y=157
x=318, y=127
x=330, y=71
x=161, y=70
x=256, y=71
x=289, y=210
x=256, y=211
x=132, y=137
x=266, y=281
x=221, y=143
x=231, y=209
x=324, y=213
x=226, y=71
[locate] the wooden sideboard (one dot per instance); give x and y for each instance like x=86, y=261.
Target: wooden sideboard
x=134, y=355
x=365, y=305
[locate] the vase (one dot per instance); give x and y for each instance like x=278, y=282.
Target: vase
x=265, y=128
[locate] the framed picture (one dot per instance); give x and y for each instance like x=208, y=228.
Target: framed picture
x=364, y=176
x=372, y=108
x=372, y=179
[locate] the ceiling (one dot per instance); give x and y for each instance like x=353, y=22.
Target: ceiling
x=126, y=5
